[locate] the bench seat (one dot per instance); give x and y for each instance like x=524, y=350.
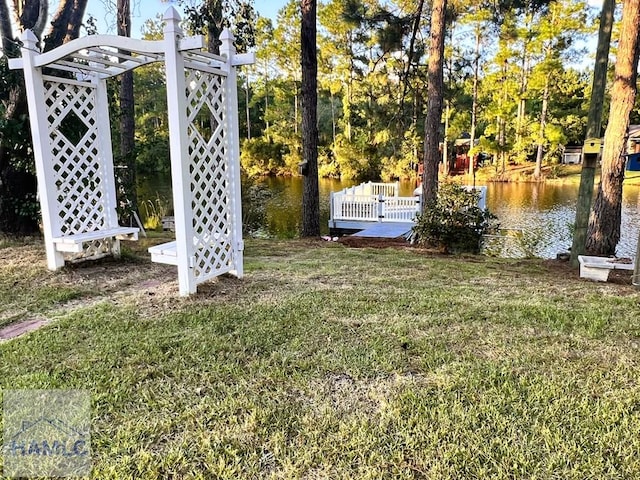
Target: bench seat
x=164, y=253
x=73, y=243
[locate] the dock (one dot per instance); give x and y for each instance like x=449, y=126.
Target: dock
x=373, y=210
x=385, y=230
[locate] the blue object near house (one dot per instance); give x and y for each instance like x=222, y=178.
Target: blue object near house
x=633, y=162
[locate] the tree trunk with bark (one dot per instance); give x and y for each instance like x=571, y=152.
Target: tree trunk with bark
x=417, y=20
x=214, y=25
x=311, y=195
x=604, y=226
x=126, y=160
x=66, y=23
x=5, y=28
x=594, y=127
x=543, y=123
x=435, y=91
x=474, y=104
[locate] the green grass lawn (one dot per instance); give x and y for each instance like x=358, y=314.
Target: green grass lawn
x=337, y=363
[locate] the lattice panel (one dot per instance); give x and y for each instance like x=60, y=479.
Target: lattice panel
x=92, y=250
x=81, y=191
x=209, y=172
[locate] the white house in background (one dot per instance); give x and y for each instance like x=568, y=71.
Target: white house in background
x=572, y=155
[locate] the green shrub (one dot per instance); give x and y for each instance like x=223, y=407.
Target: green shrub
x=262, y=156
x=255, y=196
x=453, y=223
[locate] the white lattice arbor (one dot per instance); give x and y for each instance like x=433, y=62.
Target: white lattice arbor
x=68, y=105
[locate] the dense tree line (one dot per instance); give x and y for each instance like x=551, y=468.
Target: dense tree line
x=512, y=77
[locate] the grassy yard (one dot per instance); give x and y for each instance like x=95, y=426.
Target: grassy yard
x=337, y=363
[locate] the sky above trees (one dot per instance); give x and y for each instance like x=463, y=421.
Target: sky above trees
x=143, y=10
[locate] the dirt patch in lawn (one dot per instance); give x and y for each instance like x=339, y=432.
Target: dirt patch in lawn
x=153, y=288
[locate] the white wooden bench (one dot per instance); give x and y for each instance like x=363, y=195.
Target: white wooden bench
x=167, y=252
x=164, y=253
x=74, y=243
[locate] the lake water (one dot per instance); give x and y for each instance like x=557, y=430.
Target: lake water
x=536, y=216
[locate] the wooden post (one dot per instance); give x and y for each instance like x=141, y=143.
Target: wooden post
x=331, y=209
x=583, y=206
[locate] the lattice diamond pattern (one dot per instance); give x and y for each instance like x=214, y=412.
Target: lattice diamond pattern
x=94, y=249
x=81, y=192
x=209, y=174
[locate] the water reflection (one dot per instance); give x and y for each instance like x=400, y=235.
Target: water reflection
x=547, y=211
x=544, y=211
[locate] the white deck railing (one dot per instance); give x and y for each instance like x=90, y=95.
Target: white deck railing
x=347, y=205
x=401, y=209
x=371, y=188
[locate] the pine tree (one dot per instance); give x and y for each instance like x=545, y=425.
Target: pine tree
x=311, y=195
x=435, y=92
x=604, y=226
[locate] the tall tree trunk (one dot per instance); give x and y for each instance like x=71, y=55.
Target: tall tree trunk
x=474, y=104
x=346, y=115
x=543, y=122
x=66, y=23
x=266, y=100
x=247, y=109
x=6, y=31
x=435, y=92
x=214, y=13
x=126, y=161
x=524, y=83
x=594, y=121
x=604, y=226
x=333, y=117
x=295, y=107
x=446, y=164
x=309, y=60
x=410, y=53
x=502, y=123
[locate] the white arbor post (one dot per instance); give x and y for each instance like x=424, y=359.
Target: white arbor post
x=179, y=151
x=41, y=149
x=204, y=146
x=228, y=50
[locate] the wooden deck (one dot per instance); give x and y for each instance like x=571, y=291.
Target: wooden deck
x=374, y=209
x=385, y=230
